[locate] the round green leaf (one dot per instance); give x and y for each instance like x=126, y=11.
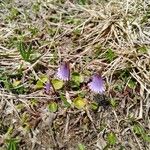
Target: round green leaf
x=43, y=78
x=77, y=78
x=79, y=102
x=39, y=85
x=58, y=84
x=53, y=107
x=132, y=84
x=16, y=83
x=41, y=81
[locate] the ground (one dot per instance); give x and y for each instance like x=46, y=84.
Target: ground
x=109, y=37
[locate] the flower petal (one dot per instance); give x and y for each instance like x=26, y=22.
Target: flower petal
x=47, y=87
x=63, y=71
x=96, y=85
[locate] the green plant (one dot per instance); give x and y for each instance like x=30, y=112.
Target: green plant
x=82, y=2
x=52, y=107
x=111, y=139
x=110, y=55
x=113, y=103
x=81, y=146
x=139, y=131
x=25, y=51
x=12, y=144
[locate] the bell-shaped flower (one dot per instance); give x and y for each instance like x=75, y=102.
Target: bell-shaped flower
x=97, y=84
x=63, y=71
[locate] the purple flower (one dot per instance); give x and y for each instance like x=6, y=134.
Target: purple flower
x=63, y=72
x=96, y=85
x=47, y=87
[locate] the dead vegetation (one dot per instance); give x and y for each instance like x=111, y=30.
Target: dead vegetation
x=108, y=36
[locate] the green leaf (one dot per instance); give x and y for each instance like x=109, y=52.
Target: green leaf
x=28, y=52
x=25, y=118
x=110, y=55
x=111, y=139
x=81, y=146
x=36, y=7
x=58, y=84
x=138, y=129
x=142, y=49
x=21, y=49
x=25, y=51
x=40, y=83
x=77, y=32
x=82, y=2
x=146, y=138
x=113, y=103
x=33, y=102
x=66, y=103
x=34, y=57
x=53, y=107
x=132, y=84
x=122, y=148
x=16, y=83
x=79, y=102
x=77, y=78
x=33, y=30
x=82, y=94
x=20, y=106
x=94, y=106
x=7, y=84
x=74, y=86
x=43, y=78
x=12, y=144
x=13, y=13
x=9, y=131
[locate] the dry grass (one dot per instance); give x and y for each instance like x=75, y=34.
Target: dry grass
x=110, y=36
